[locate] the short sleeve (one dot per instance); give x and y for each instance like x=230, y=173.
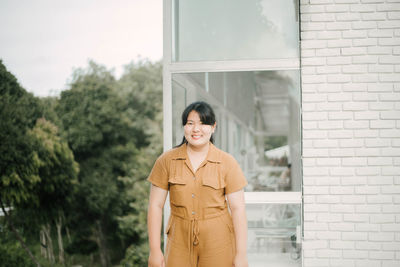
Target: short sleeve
x=159, y=175
x=235, y=179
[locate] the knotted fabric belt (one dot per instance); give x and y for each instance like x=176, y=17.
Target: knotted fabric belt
x=194, y=232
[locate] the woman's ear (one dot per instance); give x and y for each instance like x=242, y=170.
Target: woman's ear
x=214, y=126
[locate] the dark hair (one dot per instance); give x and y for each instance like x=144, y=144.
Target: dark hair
x=206, y=114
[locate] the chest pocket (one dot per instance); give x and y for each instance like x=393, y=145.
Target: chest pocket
x=177, y=183
x=213, y=187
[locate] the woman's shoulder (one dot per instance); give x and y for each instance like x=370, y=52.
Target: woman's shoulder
x=224, y=156
x=173, y=153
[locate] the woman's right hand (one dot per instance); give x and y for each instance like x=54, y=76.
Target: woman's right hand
x=156, y=259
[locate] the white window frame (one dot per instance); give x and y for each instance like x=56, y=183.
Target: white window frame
x=170, y=68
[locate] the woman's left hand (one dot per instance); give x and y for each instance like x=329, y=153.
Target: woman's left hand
x=240, y=261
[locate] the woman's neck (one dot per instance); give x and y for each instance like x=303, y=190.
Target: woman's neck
x=198, y=150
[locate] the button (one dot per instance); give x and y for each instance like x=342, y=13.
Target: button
x=192, y=195
x=193, y=213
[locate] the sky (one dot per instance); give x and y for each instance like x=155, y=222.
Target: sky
x=43, y=41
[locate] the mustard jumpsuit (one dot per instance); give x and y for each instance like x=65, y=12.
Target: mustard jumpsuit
x=200, y=229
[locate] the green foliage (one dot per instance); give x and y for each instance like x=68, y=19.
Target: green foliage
x=11, y=252
x=18, y=163
x=85, y=157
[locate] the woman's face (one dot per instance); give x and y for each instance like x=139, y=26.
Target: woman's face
x=196, y=133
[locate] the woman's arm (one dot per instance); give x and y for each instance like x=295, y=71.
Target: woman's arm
x=154, y=219
x=238, y=209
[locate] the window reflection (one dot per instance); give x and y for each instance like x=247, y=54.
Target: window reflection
x=258, y=121
x=210, y=30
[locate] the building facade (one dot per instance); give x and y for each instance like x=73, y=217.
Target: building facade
x=307, y=99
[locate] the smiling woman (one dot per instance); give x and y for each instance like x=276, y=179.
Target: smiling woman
x=202, y=180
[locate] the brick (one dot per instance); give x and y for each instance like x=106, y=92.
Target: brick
x=347, y=143
x=389, y=59
x=350, y=124
x=379, y=124
x=340, y=244
x=354, y=51
x=340, y=60
x=336, y=8
x=313, y=61
x=388, y=115
x=344, y=227
x=313, y=44
x=355, y=254
x=339, y=78
x=395, y=133
x=329, y=199
x=390, y=170
x=380, y=69
x=381, y=255
x=316, y=153
x=380, y=180
x=394, y=15
x=374, y=16
x=366, y=134
x=341, y=190
x=330, y=125
x=316, y=208
x=328, y=253
x=355, y=106
x=314, y=134
x=354, y=161
x=342, y=208
x=380, y=106
x=365, y=59
x=316, y=262
x=388, y=7
x=307, y=53
x=367, y=227
x=338, y=26
x=313, y=79
x=389, y=97
x=347, y=16
x=341, y=115
x=380, y=87
x=380, y=33
x=353, y=180
x=368, y=263
x=365, y=96
x=312, y=26
x=394, y=263
x=391, y=227
x=355, y=87
x=365, y=42
x=329, y=106
x=367, y=171
x=342, y=152
x=354, y=69
x=361, y=25
x=389, y=41
x=367, y=190
x=367, y=245
x=327, y=52
x=325, y=143
x=354, y=236
x=365, y=78
x=339, y=134
x=377, y=50
x=362, y=8
x=315, y=244
x=322, y=17
x=315, y=116
x=327, y=35
x=353, y=199
x=328, y=70
x=351, y=34
x=382, y=218
x=395, y=77
x=366, y=115
x=310, y=226
x=304, y=9
x=391, y=209
x=388, y=24
x=379, y=161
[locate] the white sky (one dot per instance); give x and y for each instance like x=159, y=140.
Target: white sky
x=42, y=41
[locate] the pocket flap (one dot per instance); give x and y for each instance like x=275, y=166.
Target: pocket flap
x=177, y=180
x=213, y=181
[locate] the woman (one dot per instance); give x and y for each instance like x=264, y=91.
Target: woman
x=200, y=177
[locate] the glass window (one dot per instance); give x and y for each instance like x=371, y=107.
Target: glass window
x=210, y=30
x=274, y=234
x=258, y=121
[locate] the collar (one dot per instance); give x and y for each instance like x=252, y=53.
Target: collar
x=212, y=155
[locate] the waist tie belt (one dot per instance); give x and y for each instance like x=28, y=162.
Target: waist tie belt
x=194, y=232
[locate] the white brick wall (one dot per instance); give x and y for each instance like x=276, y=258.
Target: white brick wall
x=350, y=59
